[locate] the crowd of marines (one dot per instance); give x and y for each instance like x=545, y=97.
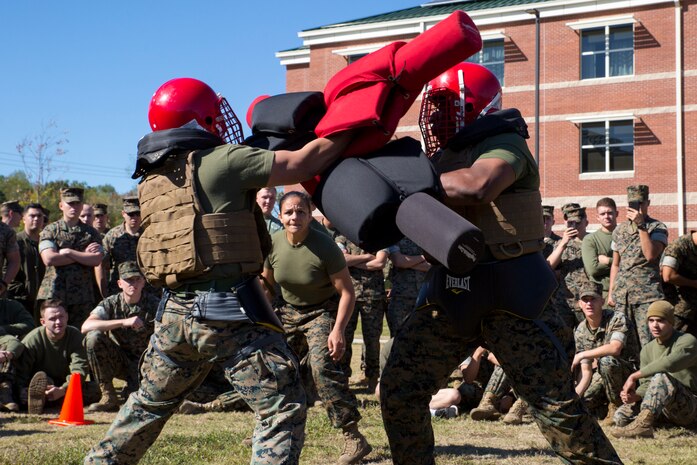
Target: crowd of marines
x=115, y=308
x=176, y=309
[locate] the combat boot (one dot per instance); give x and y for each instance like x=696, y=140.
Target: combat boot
x=641, y=427
x=609, y=419
x=515, y=414
x=192, y=408
x=486, y=410
x=109, y=401
x=36, y=397
x=6, y=400
x=355, y=446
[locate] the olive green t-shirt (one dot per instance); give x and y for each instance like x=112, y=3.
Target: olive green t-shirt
x=509, y=147
x=304, y=270
x=227, y=178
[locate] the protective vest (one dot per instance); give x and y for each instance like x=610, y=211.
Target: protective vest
x=180, y=241
x=512, y=224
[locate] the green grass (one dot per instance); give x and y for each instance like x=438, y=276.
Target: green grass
x=215, y=438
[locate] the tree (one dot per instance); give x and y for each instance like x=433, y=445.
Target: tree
x=38, y=153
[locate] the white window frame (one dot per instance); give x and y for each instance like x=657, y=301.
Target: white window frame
x=606, y=23
x=607, y=174
x=491, y=37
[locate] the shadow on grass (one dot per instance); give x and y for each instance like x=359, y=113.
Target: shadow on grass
x=6, y=433
x=491, y=452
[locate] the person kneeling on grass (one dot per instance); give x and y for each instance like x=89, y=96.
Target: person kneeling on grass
x=668, y=377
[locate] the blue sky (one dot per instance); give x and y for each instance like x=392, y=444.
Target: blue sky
x=91, y=67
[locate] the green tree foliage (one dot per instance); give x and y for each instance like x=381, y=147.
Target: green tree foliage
x=16, y=186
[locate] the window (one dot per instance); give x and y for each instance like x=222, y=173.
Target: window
x=607, y=146
x=353, y=58
x=491, y=55
x=607, y=51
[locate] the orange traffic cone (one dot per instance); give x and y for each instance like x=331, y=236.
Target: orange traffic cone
x=72, y=413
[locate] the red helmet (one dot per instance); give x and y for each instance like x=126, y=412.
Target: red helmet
x=182, y=100
x=455, y=98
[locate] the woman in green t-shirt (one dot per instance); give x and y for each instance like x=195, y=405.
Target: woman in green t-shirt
x=317, y=288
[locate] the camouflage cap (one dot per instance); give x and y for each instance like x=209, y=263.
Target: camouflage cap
x=639, y=193
x=662, y=309
x=72, y=194
x=131, y=204
x=129, y=269
x=573, y=212
x=589, y=288
x=100, y=209
x=11, y=205
x=548, y=210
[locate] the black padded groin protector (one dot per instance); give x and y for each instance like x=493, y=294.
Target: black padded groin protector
x=361, y=196
x=520, y=286
x=286, y=121
x=441, y=233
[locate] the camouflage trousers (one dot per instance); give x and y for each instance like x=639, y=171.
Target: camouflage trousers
x=498, y=383
x=108, y=361
x=427, y=348
x=637, y=315
x=307, y=331
x=78, y=313
x=668, y=396
x=607, y=382
x=372, y=313
x=398, y=308
x=258, y=363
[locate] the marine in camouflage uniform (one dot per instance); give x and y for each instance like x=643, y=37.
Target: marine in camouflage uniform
x=635, y=279
x=667, y=377
x=117, y=333
x=604, y=350
x=187, y=149
x=120, y=244
x=369, y=286
x=71, y=282
x=679, y=271
x=567, y=259
x=453, y=316
x=406, y=280
x=26, y=284
x=9, y=256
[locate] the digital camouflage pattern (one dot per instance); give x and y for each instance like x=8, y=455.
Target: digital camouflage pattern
x=116, y=353
x=667, y=396
x=369, y=287
x=119, y=246
x=180, y=360
x=426, y=349
x=31, y=272
x=71, y=283
x=572, y=276
x=638, y=281
x=498, y=384
x=611, y=372
x=405, y=285
x=550, y=244
x=307, y=332
x=681, y=255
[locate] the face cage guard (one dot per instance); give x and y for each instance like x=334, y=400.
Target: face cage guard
x=436, y=131
x=228, y=125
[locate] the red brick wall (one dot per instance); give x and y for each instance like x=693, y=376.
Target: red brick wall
x=652, y=101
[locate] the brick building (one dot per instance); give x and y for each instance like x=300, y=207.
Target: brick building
x=617, y=89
